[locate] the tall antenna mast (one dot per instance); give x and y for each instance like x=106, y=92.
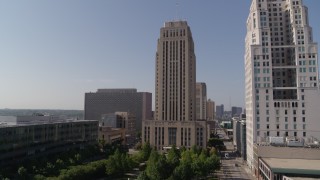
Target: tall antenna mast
x=177, y=10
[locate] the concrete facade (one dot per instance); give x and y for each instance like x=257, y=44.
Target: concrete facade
x=273, y=163
x=109, y=135
x=201, y=101
x=175, y=99
x=123, y=120
x=281, y=73
x=106, y=101
x=210, y=110
x=31, y=139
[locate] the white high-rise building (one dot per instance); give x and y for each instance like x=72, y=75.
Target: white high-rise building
x=175, y=114
x=281, y=73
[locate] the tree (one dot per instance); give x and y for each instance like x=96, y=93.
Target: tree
x=145, y=151
x=22, y=173
x=216, y=143
x=157, y=166
x=173, y=158
x=143, y=176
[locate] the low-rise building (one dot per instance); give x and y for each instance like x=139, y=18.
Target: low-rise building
x=278, y=162
x=22, y=137
x=109, y=135
x=123, y=120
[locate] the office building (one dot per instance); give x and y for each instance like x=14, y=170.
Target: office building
x=239, y=135
x=210, y=110
x=123, y=120
x=236, y=111
x=281, y=73
x=220, y=111
x=109, y=135
x=175, y=109
x=106, y=101
x=201, y=101
x=23, y=137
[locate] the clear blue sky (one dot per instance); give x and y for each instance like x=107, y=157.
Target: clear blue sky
x=52, y=52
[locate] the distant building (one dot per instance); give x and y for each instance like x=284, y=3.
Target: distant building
x=175, y=107
x=110, y=135
x=220, y=111
x=23, y=137
x=106, y=101
x=239, y=135
x=210, y=110
x=236, y=111
x=123, y=120
x=201, y=101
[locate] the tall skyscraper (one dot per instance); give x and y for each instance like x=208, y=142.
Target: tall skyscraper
x=106, y=101
x=175, y=114
x=201, y=101
x=281, y=73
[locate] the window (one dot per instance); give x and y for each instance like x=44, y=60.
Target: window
x=286, y=126
x=267, y=126
x=303, y=119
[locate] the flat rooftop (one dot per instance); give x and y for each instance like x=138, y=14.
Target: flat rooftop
x=293, y=166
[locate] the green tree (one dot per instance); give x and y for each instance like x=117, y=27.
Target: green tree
x=157, y=166
x=22, y=173
x=145, y=151
x=182, y=172
x=173, y=158
x=143, y=176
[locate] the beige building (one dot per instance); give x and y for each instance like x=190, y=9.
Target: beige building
x=175, y=109
x=123, y=120
x=201, y=101
x=210, y=109
x=110, y=135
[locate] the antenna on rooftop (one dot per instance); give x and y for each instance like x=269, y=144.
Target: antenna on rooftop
x=177, y=10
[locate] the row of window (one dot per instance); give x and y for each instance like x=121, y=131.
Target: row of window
x=304, y=62
x=285, y=126
x=286, y=133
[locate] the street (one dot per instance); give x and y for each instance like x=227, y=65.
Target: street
x=232, y=167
